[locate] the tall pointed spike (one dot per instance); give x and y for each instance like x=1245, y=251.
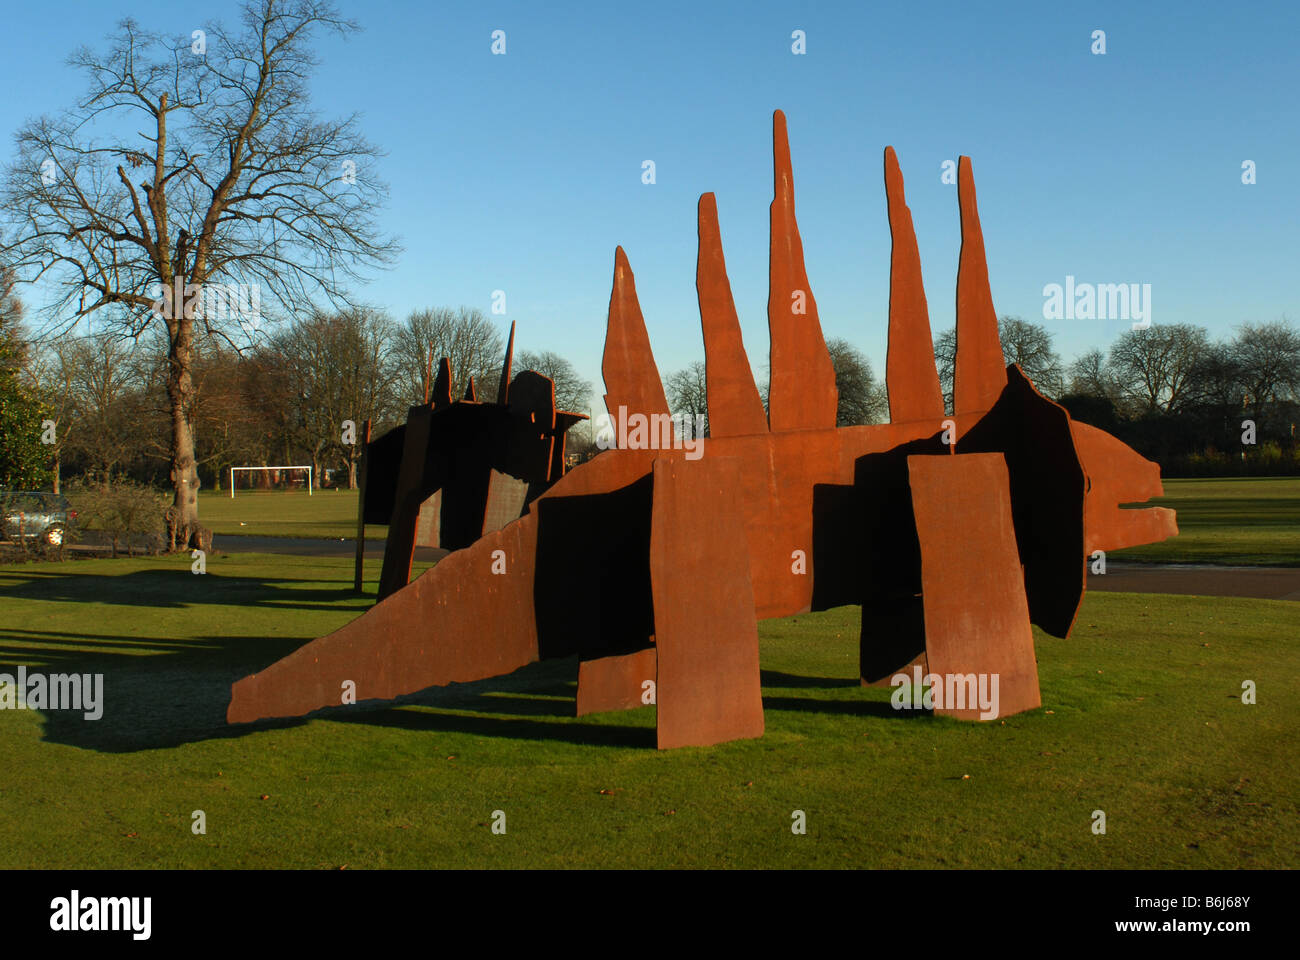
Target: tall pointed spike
x=628, y=365
x=470, y=392
x=911, y=376
x=802, y=395
x=503, y=390
x=735, y=408
x=428, y=374
x=979, y=372
x=442, y=385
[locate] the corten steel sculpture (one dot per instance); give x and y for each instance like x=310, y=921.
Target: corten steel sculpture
x=954, y=532
x=466, y=468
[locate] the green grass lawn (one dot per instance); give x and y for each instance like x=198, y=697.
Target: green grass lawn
x=1142, y=718
x=1251, y=521
x=325, y=514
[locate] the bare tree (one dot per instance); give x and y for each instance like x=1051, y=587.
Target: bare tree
x=465, y=336
x=1030, y=346
x=1267, y=361
x=572, y=393
x=1023, y=343
x=1090, y=377
x=1156, y=367
x=688, y=395
x=52, y=370
x=243, y=188
x=945, y=359
x=101, y=374
x=862, y=399
x=335, y=367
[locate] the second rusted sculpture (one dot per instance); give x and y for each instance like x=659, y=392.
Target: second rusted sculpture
x=954, y=532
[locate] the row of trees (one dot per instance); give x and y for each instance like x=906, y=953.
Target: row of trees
x=1169, y=391
x=284, y=400
x=1193, y=404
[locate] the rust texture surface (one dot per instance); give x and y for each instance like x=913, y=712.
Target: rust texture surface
x=911, y=377
x=803, y=394
x=1119, y=474
x=735, y=408
x=616, y=682
x=631, y=377
x=705, y=632
x=457, y=622
x=976, y=614
x=979, y=374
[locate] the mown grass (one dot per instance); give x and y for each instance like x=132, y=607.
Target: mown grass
x=1142, y=718
x=328, y=514
x=1251, y=521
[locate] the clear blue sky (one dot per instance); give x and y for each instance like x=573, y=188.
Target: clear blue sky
x=522, y=172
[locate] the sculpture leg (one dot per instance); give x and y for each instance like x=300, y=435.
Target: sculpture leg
x=706, y=635
x=468, y=618
x=977, y=635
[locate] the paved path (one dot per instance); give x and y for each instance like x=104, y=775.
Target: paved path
x=1271, y=583
x=304, y=547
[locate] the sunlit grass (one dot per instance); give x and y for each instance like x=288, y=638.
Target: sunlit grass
x=1142, y=718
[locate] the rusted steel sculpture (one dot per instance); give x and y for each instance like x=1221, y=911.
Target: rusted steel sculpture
x=462, y=469
x=954, y=532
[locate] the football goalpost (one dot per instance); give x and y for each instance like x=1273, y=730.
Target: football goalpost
x=234, y=469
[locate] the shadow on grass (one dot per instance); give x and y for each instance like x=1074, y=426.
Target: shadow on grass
x=170, y=589
x=162, y=692
x=774, y=678
x=857, y=708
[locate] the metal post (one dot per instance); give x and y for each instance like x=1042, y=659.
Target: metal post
x=360, y=562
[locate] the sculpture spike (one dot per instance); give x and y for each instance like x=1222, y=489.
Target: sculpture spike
x=735, y=408
x=628, y=365
x=503, y=390
x=442, y=385
x=979, y=373
x=470, y=392
x=911, y=376
x=802, y=395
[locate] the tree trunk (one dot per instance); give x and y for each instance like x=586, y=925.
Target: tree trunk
x=184, y=471
x=58, y=459
x=352, y=473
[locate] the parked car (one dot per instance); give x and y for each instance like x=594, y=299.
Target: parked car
x=36, y=516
